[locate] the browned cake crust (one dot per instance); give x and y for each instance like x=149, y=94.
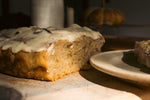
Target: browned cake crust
x=66, y=57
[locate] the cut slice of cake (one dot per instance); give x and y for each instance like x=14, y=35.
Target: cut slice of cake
x=142, y=51
x=47, y=53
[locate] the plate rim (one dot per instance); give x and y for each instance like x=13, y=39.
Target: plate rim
x=127, y=75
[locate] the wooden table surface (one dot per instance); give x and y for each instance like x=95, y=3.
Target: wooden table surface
x=82, y=85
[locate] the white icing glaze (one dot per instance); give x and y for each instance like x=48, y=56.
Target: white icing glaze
x=50, y=48
x=53, y=51
x=34, y=39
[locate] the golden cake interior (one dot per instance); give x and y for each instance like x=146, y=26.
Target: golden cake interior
x=65, y=57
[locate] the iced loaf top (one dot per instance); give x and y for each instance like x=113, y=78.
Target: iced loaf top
x=35, y=39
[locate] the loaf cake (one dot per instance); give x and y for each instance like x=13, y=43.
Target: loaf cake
x=142, y=51
x=47, y=53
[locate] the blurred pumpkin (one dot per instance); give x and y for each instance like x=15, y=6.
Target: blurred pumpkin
x=103, y=16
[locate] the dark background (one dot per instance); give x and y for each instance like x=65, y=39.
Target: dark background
x=16, y=13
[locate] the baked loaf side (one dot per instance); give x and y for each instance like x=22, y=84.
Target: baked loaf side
x=51, y=61
x=142, y=51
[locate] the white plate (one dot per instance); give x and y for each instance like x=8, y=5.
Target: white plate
x=121, y=64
